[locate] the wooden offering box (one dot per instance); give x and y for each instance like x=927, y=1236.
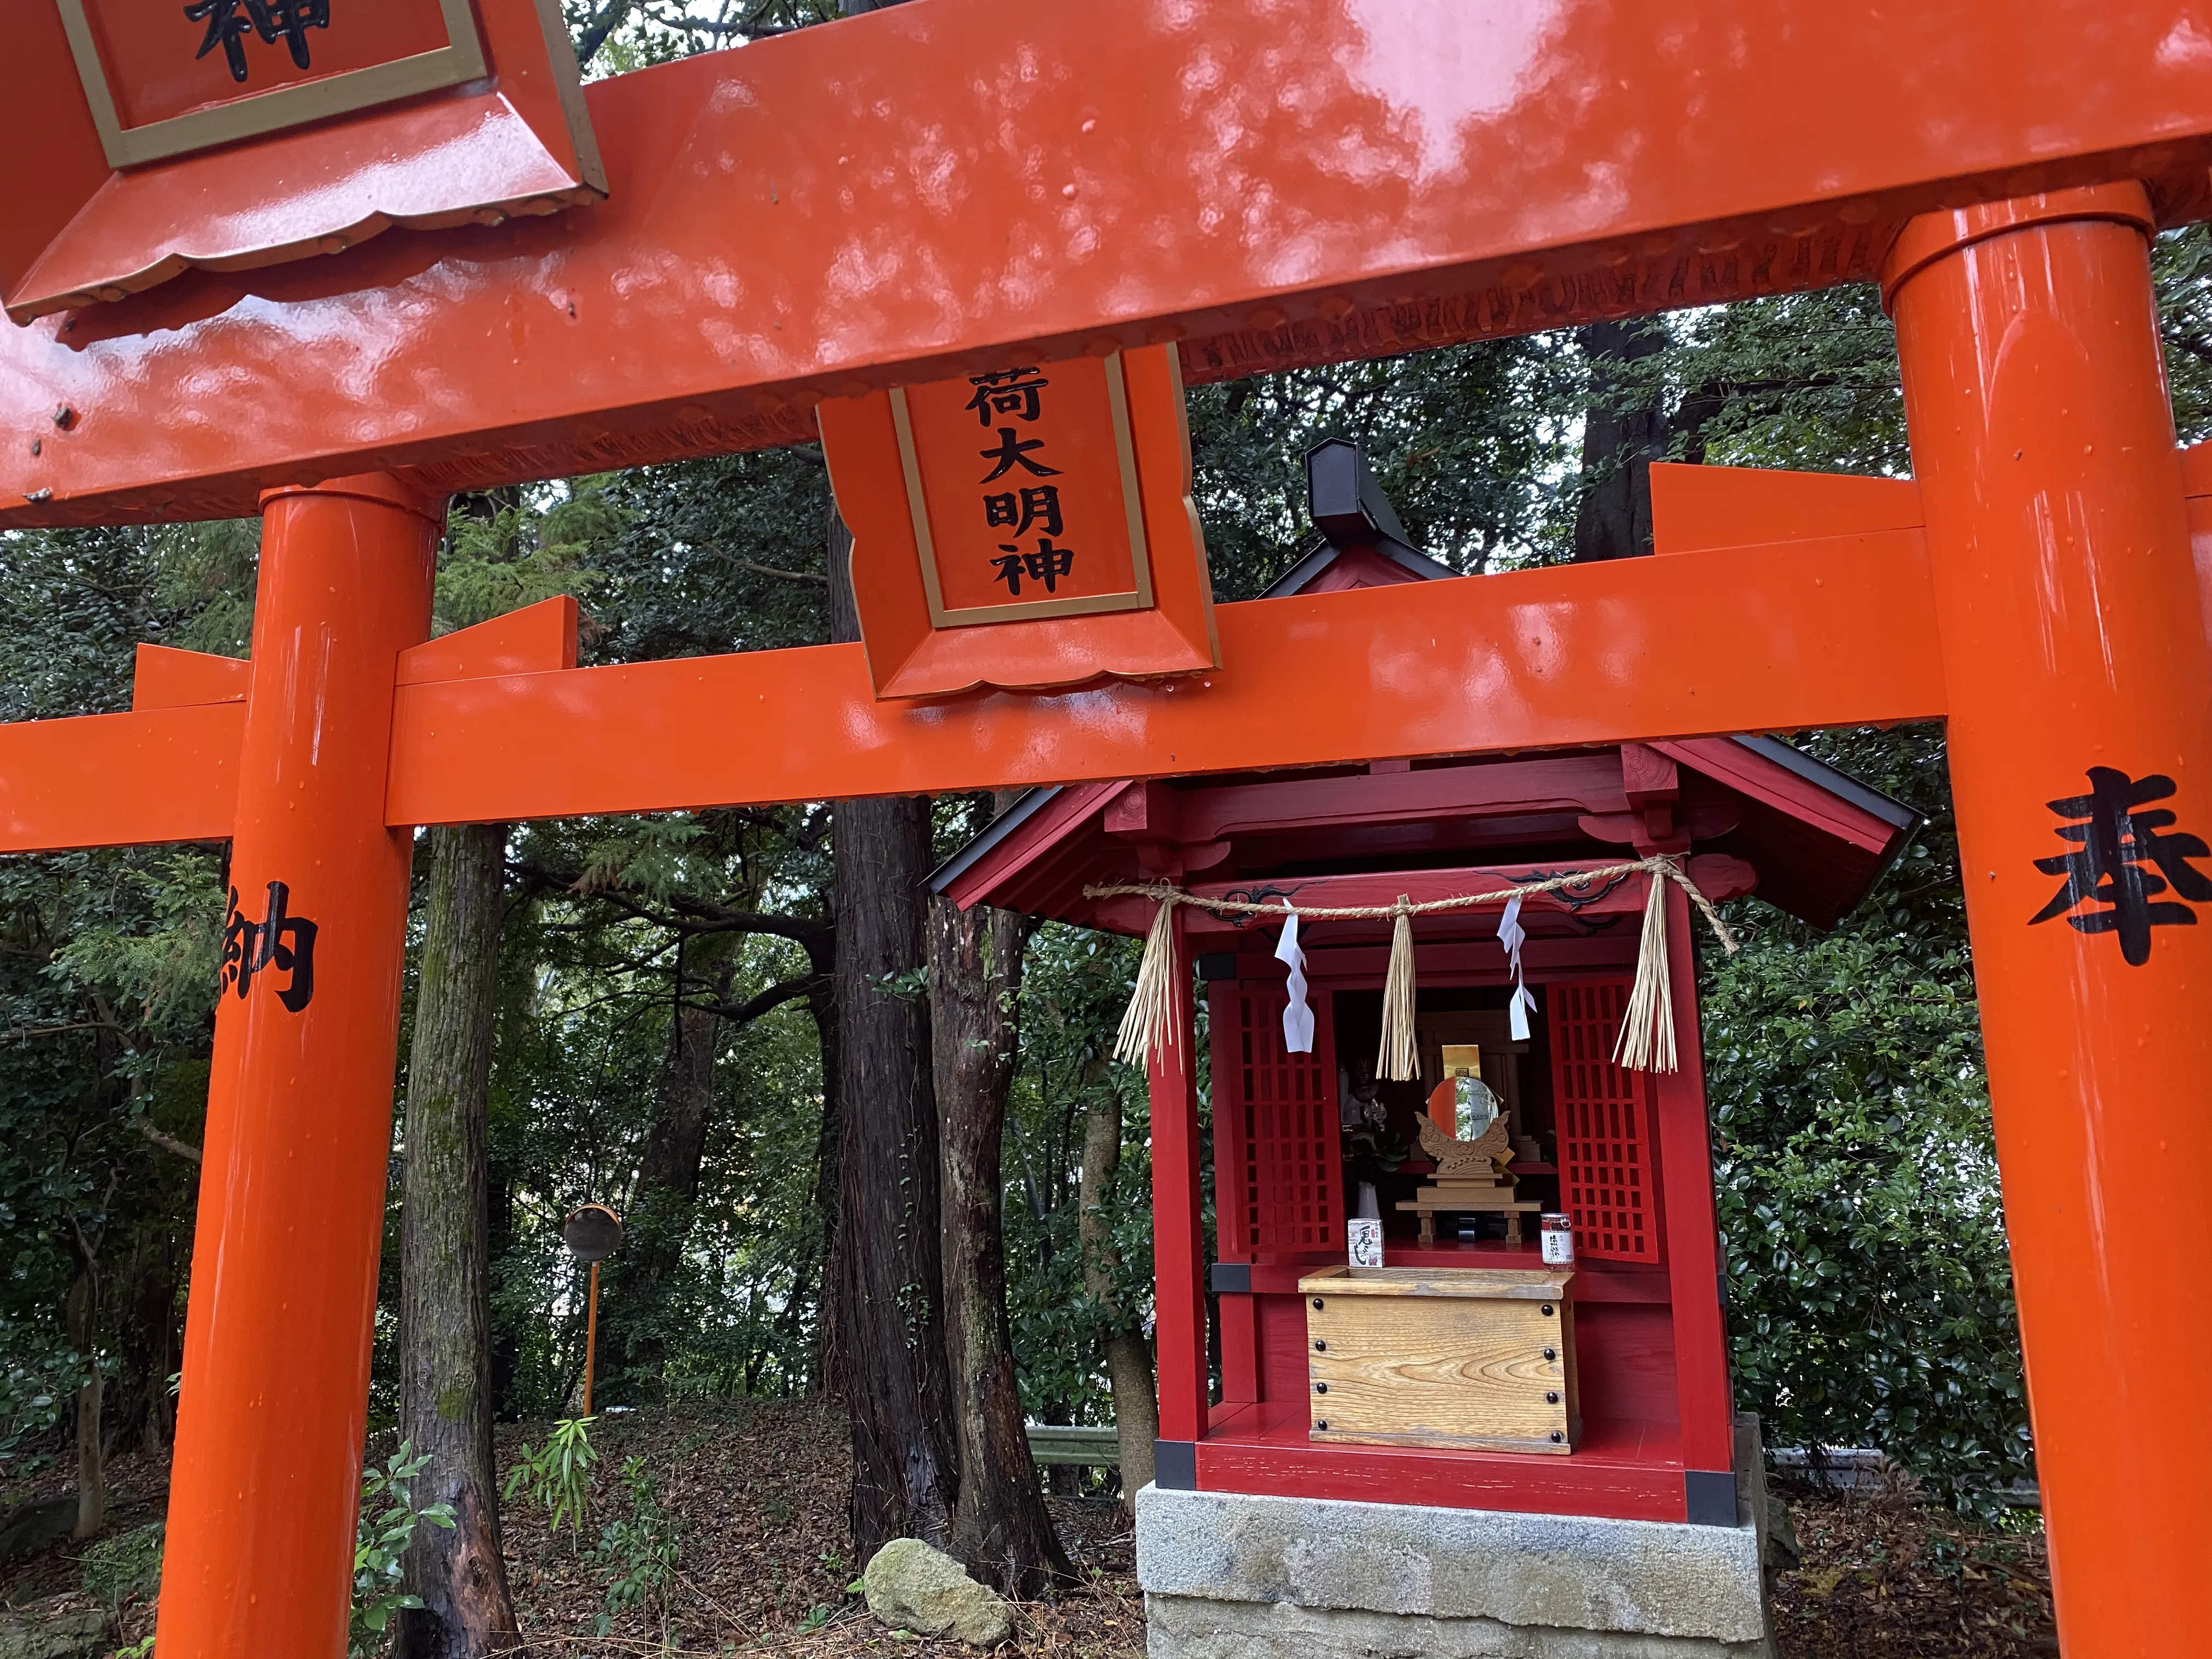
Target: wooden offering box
x=1466, y=1358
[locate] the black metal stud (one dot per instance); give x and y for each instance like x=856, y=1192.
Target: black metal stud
x=1321, y=1388
x=1547, y=1311
x=1550, y=1397
x=1322, y=1424
x=1551, y=1354
x=1316, y=1304
x=1556, y=1437
x=1320, y=1347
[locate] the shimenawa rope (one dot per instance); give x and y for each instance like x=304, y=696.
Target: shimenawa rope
x=1647, y=1031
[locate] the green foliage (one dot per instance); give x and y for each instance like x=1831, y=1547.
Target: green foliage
x=34, y=1390
x=558, y=1475
x=501, y=554
x=389, y=1518
x=1858, y=1191
x=163, y=960
x=1466, y=441
x=639, y=1549
x=106, y=989
x=1074, y=987
x=125, y=1568
x=2181, y=261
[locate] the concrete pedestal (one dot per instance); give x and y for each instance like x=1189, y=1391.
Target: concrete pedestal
x=1231, y=1576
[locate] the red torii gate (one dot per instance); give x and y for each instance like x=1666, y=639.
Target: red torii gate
x=934, y=190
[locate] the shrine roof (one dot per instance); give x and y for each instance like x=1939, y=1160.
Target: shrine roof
x=1817, y=839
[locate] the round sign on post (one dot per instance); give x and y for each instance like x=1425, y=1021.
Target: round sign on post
x=592, y=1232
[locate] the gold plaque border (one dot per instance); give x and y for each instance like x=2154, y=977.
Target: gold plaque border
x=257, y=113
x=1137, y=599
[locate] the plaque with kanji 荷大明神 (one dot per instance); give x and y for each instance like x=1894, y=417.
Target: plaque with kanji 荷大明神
x=1026, y=526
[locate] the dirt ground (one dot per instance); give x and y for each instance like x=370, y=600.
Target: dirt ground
x=757, y=1488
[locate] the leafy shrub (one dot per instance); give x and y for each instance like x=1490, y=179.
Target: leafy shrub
x=125, y=1567
x=1856, y=1169
x=557, y=1476
x=381, y=1543
x=641, y=1548
x=35, y=1388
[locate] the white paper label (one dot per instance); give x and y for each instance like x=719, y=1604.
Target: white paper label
x=1364, y=1235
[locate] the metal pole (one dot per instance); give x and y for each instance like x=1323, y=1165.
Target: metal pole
x=2080, y=689
x=591, y=1338
x=275, y=1400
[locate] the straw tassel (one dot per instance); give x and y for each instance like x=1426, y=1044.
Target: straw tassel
x=1399, y=1059
x=1647, y=1032
x=1149, y=1025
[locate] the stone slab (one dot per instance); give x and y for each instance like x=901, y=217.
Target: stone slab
x=1185, y=1627
x=1553, y=1575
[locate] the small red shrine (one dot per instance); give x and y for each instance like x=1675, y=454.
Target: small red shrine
x=1625, y=1154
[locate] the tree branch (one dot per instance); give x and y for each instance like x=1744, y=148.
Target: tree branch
x=814, y=576
x=611, y=17
x=743, y=1014
x=689, y=915
x=170, y=1143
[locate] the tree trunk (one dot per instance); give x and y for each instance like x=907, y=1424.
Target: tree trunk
x=1000, y=1529
x=1614, y=520
x=822, y=1003
x=152, y=1356
x=84, y=1337
x=1128, y=1357
x=444, y=1269
x=635, y=1289
x=887, y=1351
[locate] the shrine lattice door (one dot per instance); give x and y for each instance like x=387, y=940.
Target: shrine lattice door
x=1608, y=1178
x=1278, y=1180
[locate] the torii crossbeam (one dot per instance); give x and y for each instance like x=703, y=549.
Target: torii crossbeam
x=931, y=190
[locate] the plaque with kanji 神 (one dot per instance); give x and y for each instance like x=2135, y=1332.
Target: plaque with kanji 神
x=228, y=134
x=164, y=78
x=1024, y=527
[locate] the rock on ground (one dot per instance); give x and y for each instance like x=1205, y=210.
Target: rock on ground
x=63, y=1636
x=913, y=1587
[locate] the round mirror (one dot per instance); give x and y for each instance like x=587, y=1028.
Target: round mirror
x=1475, y=1105
x=592, y=1233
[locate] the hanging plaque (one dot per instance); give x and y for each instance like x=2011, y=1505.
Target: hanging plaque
x=225, y=135
x=163, y=78
x=1024, y=527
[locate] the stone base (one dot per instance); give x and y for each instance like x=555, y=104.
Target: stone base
x=1181, y=1627
x=1233, y=1576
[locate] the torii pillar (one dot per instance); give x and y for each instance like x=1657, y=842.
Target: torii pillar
x=273, y=1407
x=2074, y=637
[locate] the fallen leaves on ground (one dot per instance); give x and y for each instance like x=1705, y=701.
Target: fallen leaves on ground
x=1882, y=1578
x=758, y=1490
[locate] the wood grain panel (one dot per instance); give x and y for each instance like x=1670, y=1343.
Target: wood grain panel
x=1477, y=1360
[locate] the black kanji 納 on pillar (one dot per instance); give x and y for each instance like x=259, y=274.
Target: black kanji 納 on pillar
x=283, y=943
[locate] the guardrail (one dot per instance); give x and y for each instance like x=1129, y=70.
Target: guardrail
x=1059, y=1443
